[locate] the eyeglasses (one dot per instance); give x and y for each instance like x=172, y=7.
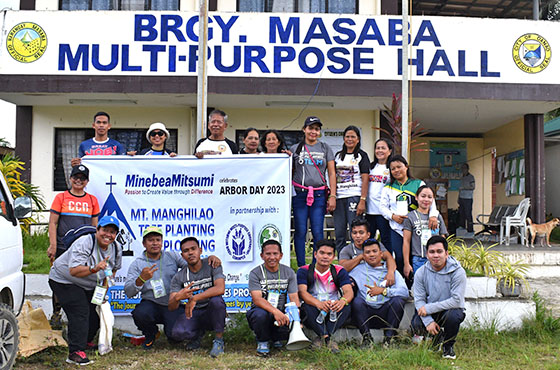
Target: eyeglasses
x=80, y=177
x=158, y=133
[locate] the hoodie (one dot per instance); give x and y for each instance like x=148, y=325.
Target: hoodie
x=439, y=290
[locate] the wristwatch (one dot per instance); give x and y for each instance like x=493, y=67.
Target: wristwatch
x=384, y=292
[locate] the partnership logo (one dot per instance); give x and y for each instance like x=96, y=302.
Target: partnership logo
x=239, y=243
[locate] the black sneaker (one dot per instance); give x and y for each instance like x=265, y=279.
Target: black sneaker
x=78, y=358
x=367, y=340
x=448, y=352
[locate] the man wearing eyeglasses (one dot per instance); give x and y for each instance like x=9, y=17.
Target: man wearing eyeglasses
x=376, y=305
x=100, y=144
x=70, y=209
x=216, y=143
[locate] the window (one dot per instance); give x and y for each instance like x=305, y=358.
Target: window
x=119, y=4
x=67, y=142
x=3, y=204
x=302, y=6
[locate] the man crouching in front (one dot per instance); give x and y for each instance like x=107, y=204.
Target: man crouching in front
x=198, y=289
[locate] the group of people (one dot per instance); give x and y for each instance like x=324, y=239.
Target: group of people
x=184, y=292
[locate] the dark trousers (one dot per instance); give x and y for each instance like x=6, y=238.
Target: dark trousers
x=387, y=317
x=83, y=320
x=261, y=323
x=378, y=222
x=328, y=327
x=211, y=318
x=396, y=248
x=449, y=321
x=55, y=303
x=465, y=214
x=148, y=314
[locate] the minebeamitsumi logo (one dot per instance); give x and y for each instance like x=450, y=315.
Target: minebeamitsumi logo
x=531, y=53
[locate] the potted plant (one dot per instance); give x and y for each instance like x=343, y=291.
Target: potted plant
x=510, y=277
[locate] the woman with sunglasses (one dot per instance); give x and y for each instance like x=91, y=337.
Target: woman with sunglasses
x=312, y=160
x=398, y=198
x=379, y=176
x=352, y=176
x=157, y=135
x=273, y=142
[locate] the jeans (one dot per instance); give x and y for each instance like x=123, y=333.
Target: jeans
x=83, y=320
x=387, y=317
x=344, y=214
x=396, y=246
x=328, y=327
x=212, y=317
x=449, y=321
x=148, y=314
x=418, y=262
x=261, y=323
x=302, y=212
x=465, y=214
x=378, y=222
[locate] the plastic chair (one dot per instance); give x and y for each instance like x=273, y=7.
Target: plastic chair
x=518, y=221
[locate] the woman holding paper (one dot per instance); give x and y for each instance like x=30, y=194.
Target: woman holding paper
x=397, y=199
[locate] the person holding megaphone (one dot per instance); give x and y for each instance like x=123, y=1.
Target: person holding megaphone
x=271, y=284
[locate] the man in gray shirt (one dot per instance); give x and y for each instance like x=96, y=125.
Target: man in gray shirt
x=197, y=290
x=466, y=190
x=150, y=275
x=439, y=296
x=270, y=285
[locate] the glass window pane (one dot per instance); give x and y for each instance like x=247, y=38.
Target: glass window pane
x=342, y=6
x=102, y=5
x=74, y=5
x=281, y=6
x=165, y=4
x=132, y=5
x=251, y=6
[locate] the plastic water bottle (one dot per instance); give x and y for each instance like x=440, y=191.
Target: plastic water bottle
x=109, y=276
x=333, y=316
x=321, y=317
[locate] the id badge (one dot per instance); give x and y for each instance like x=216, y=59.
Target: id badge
x=371, y=299
x=158, y=288
x=98, y=295
x=402, y=208
x=323, y=297
x=425, y=236
x=273, y=299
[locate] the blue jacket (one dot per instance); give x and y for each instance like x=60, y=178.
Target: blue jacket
x=439, y=290
x=365, y=274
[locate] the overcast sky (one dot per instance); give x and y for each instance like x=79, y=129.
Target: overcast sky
x=8, y=122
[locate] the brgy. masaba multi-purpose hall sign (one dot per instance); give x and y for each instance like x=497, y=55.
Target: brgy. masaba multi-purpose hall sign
x=279, y=45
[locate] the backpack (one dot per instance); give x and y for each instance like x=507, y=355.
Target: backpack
x=311, y=277
x=71, y=235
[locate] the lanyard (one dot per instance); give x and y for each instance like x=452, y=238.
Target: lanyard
x=159, y=263
x=265, y=278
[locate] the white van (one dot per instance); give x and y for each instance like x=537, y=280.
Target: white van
x=12, y=280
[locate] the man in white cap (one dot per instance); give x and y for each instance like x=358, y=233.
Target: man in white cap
x=151, y=274
x=157, y=135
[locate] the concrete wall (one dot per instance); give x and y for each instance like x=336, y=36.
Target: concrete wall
x=46, y=119
x=506, y=139
x=552, y=182
x=479, y=167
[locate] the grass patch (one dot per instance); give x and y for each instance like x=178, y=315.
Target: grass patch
x=35, y=258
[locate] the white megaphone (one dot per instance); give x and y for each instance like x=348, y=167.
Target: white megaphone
x=297, y=339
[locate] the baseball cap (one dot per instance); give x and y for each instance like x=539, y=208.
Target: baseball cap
x=156, y=126
x=80, y=170
x=312, y=120
x=108, y=220
x=152, y=230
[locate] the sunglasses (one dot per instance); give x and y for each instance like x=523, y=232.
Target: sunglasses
x=80, y=177
x=158, y=133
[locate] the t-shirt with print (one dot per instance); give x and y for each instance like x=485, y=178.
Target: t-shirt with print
x=416, y=223
x=282, y=281
x=305, y=172
x=208, y=146
x=351, y=251
x=202, y=279
x=379, y=176
x=73, y=211
x=107, y=147
x=349, y=173
x=85, y=252
x=324, y=287
x=150, y=151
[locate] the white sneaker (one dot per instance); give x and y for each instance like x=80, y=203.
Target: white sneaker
x=417, y=339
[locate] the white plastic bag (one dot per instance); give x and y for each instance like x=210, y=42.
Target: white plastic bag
x=106, y=321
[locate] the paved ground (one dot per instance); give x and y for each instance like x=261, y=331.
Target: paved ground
x=549, y=289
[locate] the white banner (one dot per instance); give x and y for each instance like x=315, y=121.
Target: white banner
x=279, y=45
x=231, y=205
